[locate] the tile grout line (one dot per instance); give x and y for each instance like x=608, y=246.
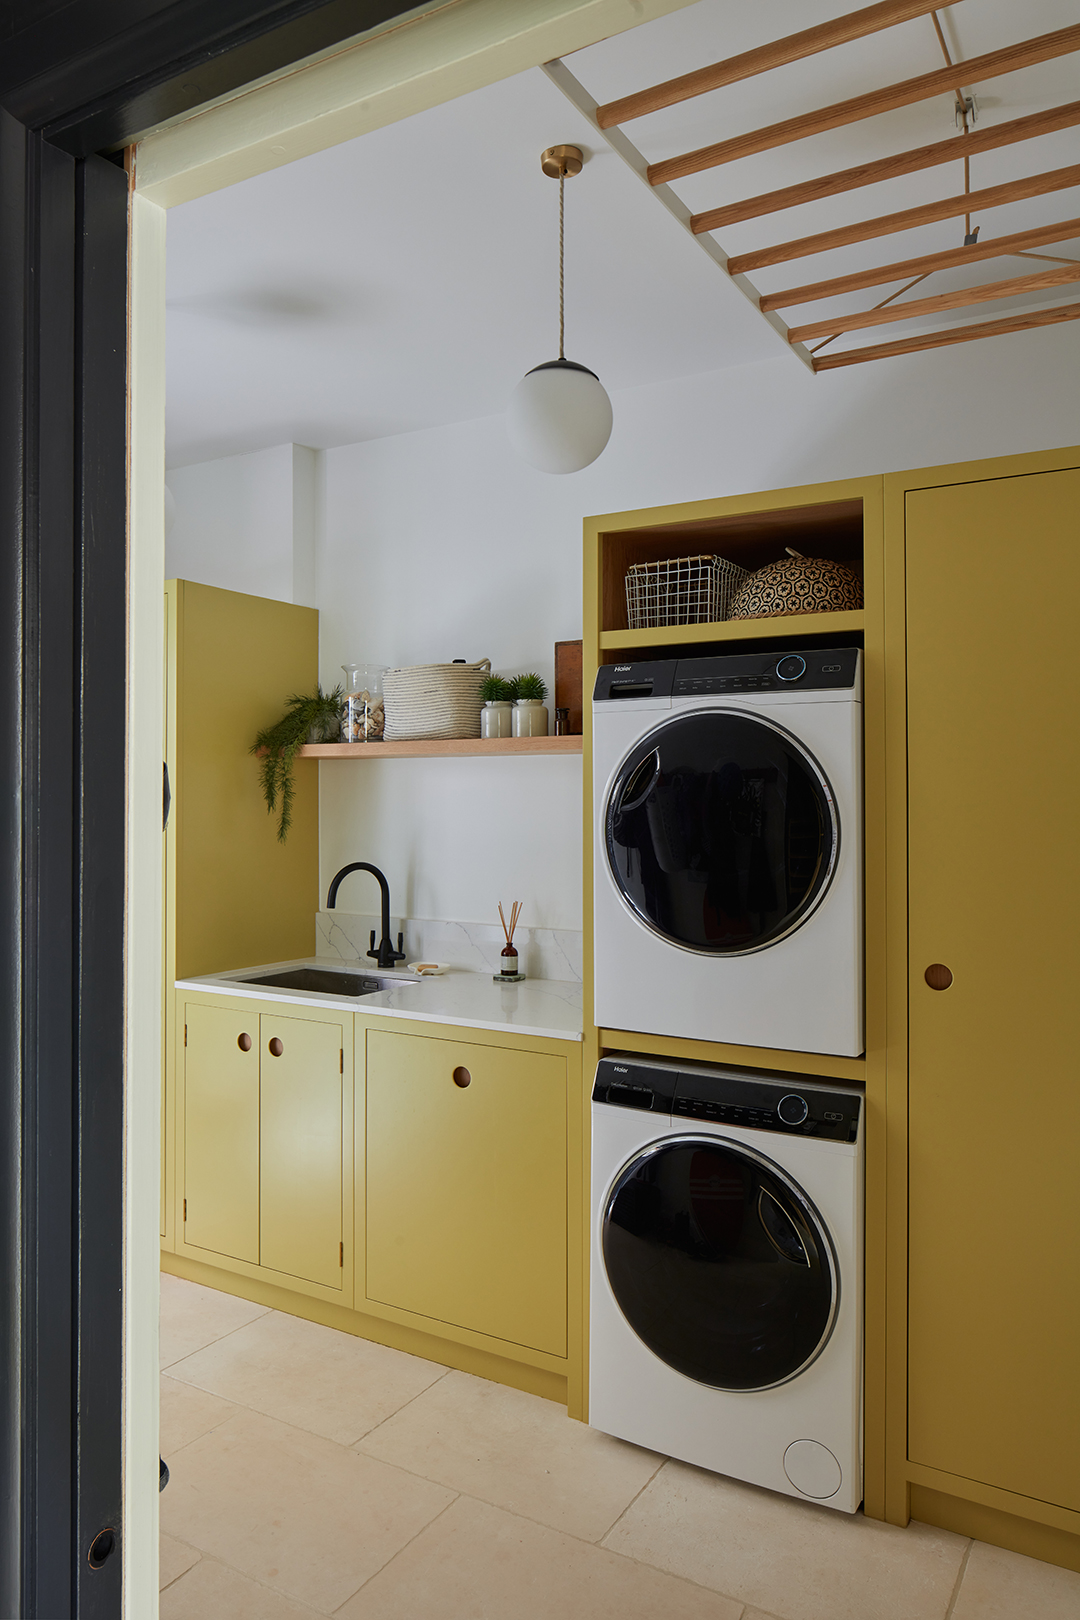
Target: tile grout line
x=403, y=1408
x=198, y=1560
x=620, y=1516
x=959, y=1580
x=219, y=1339
x=424, y=1527
x=276, y=1591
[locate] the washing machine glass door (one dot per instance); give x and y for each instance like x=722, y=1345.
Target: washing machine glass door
x=721, y=831
x=719, y=1263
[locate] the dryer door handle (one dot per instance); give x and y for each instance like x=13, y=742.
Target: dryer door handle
x=632, y=793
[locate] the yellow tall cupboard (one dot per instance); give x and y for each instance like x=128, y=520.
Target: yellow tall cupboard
x=991, y=579
x=233, y=893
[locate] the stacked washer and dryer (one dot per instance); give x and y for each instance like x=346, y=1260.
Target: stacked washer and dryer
x=727, y=1263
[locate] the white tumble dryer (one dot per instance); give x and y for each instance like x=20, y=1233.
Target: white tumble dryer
x=727, y=1272
x=727, y=886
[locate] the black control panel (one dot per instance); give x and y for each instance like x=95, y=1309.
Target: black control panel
x=816, y=670
x=729, y=1097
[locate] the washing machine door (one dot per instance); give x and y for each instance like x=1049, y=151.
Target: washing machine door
x=720, y=1263
x=721, y=831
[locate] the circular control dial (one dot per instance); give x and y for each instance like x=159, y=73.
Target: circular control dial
x=792, y=1109
x=791, y=668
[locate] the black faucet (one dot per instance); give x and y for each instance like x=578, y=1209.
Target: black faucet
x=386, y=955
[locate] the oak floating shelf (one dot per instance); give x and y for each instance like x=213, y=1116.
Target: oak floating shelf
x=441, y=748
x=784, y=628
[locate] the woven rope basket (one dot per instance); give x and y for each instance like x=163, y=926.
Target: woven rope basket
x=433, y=700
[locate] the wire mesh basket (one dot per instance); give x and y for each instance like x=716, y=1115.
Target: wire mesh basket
x=681, y=590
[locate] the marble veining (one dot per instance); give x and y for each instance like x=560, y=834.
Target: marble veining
x=545, y=953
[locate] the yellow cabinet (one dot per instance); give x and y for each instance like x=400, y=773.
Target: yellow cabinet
x=300, y=1134
x=993, y=575
x=265, y=1164
x=221, y=1131
x=466, y=1186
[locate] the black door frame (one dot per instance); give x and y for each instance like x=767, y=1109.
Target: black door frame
x=73, y=81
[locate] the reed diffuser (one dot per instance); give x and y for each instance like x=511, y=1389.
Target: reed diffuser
x=509, y=953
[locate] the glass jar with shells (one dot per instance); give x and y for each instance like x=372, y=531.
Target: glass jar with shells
x=363, y=717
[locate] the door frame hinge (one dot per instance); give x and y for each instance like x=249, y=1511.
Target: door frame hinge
x=185, y=1211
x=341, y=1255
x=342, y=1060
x=185, y=1034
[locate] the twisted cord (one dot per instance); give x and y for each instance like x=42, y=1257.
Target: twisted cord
x=562, y=317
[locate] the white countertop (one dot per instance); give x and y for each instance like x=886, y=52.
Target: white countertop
x=545, y=1007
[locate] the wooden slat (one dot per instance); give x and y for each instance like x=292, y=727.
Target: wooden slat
x=904, y=269
x=869, y=174
x=434, y=748
x=1035, y=185
x=942, y=81
x=792, y=48
x=961, y=296
x=954, y=334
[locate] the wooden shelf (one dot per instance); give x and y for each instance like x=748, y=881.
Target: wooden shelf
x=440, y=748
x=779, y=629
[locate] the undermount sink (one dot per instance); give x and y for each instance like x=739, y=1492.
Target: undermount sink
x=320, y=981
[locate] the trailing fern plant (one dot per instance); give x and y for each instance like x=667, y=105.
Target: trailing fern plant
x=315, y=717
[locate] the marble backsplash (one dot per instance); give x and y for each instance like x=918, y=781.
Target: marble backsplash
x=545, y=953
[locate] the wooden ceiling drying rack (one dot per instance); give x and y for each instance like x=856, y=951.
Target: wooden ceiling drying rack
x=956, y=79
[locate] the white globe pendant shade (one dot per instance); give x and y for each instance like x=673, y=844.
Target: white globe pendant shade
x=559, y=417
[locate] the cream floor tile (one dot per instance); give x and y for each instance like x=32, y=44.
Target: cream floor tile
x=212, y=1592
x=791, y=1558
x=518, y=1451
x=1000, y=1585
x=301, y=1514
x=478, y=1563
x=173, y=1559
x=192, y=1316
x=310, y=1376
x=186, y=1413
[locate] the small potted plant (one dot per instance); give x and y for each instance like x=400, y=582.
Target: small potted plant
x=495, y=716
x=309, y=717
x=530, y=718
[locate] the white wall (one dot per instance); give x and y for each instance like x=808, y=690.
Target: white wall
x=441, y=545
x=247, y=523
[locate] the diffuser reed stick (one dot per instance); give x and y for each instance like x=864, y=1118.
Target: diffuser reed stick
x=509, y=953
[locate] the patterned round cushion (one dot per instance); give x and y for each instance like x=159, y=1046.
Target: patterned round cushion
x=798, y=585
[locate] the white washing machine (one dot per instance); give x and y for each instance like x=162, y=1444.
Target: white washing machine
x=727, y=1272
x=727, y=887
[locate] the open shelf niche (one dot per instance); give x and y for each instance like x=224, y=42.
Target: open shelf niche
x=832, y=529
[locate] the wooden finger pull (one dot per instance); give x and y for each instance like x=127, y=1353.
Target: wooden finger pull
x=938, y=976
x=276, y=1047
x=462, y=1077
x=244, y=1042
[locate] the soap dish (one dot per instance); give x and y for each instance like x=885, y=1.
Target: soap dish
x=509, y=978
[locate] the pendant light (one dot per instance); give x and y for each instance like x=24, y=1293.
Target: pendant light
x=559, y=417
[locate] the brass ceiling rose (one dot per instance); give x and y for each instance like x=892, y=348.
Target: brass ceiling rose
x=559, y=161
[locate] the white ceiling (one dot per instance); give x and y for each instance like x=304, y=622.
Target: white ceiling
x=408, y=278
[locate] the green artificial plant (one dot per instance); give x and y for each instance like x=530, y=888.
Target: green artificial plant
x=529, y=686
x=494, y=689
x=314, y=717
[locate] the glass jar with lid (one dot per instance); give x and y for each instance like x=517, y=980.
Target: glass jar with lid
x=362, y=717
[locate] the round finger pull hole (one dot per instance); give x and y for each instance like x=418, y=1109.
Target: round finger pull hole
x=938, y=976
x=101, y=1548
x=276, y=1047
x=244, y=1042
x=462, y=1077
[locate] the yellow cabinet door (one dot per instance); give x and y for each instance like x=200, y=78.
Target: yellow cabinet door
x=993, y=578
x=301, y=1142
x=466, y=1186
x=221, y=1131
